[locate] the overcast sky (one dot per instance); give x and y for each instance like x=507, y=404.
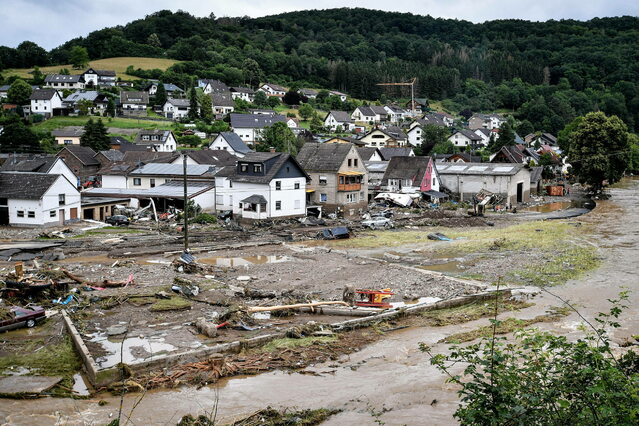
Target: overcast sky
x=51, y=23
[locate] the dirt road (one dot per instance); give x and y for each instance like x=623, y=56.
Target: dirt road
x=390, y=378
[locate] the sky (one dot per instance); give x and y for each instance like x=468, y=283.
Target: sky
x=51, y=23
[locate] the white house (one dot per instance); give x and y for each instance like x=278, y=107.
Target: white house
x=37, y=199
x=342, y=119
x=212, y=86
x=245, y=93
x=39, y=163
x=465, y=137
x=309, y=93
x=45, y=102
x=263, y=185
x=222, y=103
x=99, y=77
x=61, y=81
x=134, y=103
x=379, y=138
x=487, y=121
x=154, y=174
x=249, y=127
x=273, y=90
x=160, y=140
x=176, y=108
x=415, y=134
x=342, y=96
x=485, y=135
x=230, y=142
x=395, y=114
x=369, y=114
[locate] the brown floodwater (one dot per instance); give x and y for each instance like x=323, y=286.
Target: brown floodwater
x=391, y=373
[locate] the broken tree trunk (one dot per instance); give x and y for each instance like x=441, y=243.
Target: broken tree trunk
x=298, y=305
x=105, y=283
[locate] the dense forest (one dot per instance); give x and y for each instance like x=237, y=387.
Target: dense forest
x=548, y=72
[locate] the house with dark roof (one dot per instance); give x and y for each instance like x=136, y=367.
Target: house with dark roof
x=379, y=138
x=39, y=163
x=395, y=114
x=109, y=156
x=411, y=175
x=209, y=86
x=458, y=157
x=61, y=81
x=249, y=127
x=69, y=135
x=487, y=121
x=96, y=102
x=46, y=102
x=245, y=93
x=171, y=89
x=308, y=93
x=369, y=153
x=369, y=114
x=222, y=103
x=398, y=134
x=389, y=152
x=176, y=108
x=339, y=179
x=37, y=199
x=515, y=154
x=218, y=158
x=157, y=140
x=464, y=138
x=134, y=103
x=81, y=160
x=124, y=145
x=95, y=78
x=273, y=90
x=231, y=143
x=339, y=119
x=346, y=139
x=262, y=185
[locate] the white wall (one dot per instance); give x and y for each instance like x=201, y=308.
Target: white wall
x=113, y=181
x=415, y=136
x=49, y=202
x=145, y=182
x=219, y=143
x=61, y=168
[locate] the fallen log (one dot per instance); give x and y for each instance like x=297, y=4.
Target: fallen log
x=104, y=283
x=295, y=306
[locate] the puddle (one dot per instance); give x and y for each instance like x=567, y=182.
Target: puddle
x=134, y=349
x=453, y=266
x=231, y=262
x=261, y=315
x=16, y=371
x=79, y=385
x=415, y=301
x=560, y=205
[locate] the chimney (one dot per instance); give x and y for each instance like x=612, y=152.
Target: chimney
x=271, y=149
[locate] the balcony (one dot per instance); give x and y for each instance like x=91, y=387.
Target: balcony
x=349, y=181
x=349, y=186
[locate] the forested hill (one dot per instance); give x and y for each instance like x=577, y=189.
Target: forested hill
x=353, y=49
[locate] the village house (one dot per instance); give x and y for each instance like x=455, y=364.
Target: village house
x=61, y=81
x=308, y=93
x=109, y=156
x=379, y=138
x=338, y=120
x=249, y=127
x=398, y=134
x=97, y=102
x=69, y=135
x=158, y=140
x=389, y=152
x=486, y=135
x=273, y=90
x=39, y=163
x=218, y=158
x=342, y=96
x=411, y=175
x=103, y=78
x=458, y=157
x=122, y=144
x=346, y=139
x=395, y=114
x=134, y=103
x=537, y=140
x=222, y=103
x=486, y=121
x=511, y=181
x=171, y=89
x=339, y=179
x=414, y=135
x=369, y=153
x=37, y=199
x=154, y=174
x=376, y=170
x=176, y=109
x=515, y=154
x=81, y=160
x=46, y=102
x=231, y=143
x=212, y=86
x=263, y=185
x=465, y=138
x=369, y=114
x=244, y=93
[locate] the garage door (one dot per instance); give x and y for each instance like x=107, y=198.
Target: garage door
x=74, y=213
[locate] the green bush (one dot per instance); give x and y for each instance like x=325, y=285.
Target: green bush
x=205, y=218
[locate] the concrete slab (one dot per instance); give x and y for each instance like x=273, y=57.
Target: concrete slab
x=20, y=385
x=28, y=245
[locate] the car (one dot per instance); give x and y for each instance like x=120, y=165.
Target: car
x=17, y=317
x=378, y=223
x=117, y=219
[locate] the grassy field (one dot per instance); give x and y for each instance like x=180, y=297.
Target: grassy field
x=121, y=123
x=118, y=65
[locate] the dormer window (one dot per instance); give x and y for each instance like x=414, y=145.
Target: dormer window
x=257, y=168
x=244, y=168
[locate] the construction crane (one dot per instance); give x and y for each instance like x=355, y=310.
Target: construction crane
x=412, y=90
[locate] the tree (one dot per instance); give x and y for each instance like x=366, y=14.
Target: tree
x=79, y=57
x=193, y=105
x=278, y=136
x=16, y=137
x=95, y=136
x=84, y=107
x=206, y=108
x=260, y=99
x=599, y=150
x=506, y=138
x=292, y=97
x=19, y=92
x=153, y=40
x=306, y=111
x=160, y=94
x=524, y=128
x=110, y=108
x=190, y=140
x=273, y=101
x=317, y=125
x=38, y=77
x=253, y=74
x=433, y=136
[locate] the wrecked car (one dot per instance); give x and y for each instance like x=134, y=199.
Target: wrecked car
x=378, y=222
x=336, y=233
x=117, y=220
x=17, y=317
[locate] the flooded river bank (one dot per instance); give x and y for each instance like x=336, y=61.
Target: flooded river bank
x=391, y=374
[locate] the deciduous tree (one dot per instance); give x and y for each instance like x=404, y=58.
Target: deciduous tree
x=278, y=136
x=79, y=57
x=19, y=92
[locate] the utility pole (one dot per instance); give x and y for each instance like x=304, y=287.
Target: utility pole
x=186, y=203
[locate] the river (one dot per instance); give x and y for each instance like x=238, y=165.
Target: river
x=390, y=375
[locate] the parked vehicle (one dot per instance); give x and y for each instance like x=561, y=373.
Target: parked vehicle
x=378, y=223
x=17, y=317
x=337, y=233
x=117, y=220
x=384, y=213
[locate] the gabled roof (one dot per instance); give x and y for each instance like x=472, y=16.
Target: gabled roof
x=140, y=98
x=167, y=169
x=170, y=87
x=255, y=121
x=90, y=95
x=412, y=168
x=61, y=78
x=179, y=102
x=43, y=94
x=83, y=153
x=431, y=119
x=150, y=156
x=469, y=134
x=309, y=92
x=535, y=174
x=273, y=162
x=239, y=89
x=118, y=168
x=341, y=116
x=325, y=157
x=366, y=152
x=235, y=142
x=483, y=130
x=112, y=155
x=466, y=157
x=163, y=134
x=275, y=87
x=25, y=186
x=396, y=133
x=222, y=99
x=216, y=85
x=213, y=157
x=511, y=153
x=68, y=131
x=389, y=153
x=35, y=163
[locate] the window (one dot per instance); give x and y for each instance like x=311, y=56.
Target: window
x=322, y=180
x=20, y=213
x=297, y=185
x=355, y=162
x=152, y=183
x=257, y=168
x=52, y=213
x=434, y=181
x=137, y=181
x=31, y=214
x=278, y=185
x=298, y=204
x=323, y=198
x=230, y=183
x=61, y=199
x=349, y=162
x=219, y=199
x=361, y=196
x=278, y=205
x=68, y=141
x=341, y=180
x=244, y=167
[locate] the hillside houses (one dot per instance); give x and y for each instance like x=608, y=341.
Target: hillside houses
x=212, y=86
x=222, y=103
x=465, y=138
x=244, y=93
x=339, y=120
x=249, y=127
x=46, y=102
x=369, y=114
x=176, y=109
x=99, y=78
x=271, y=89
x=69, y=135
x=157, y=140
x=134, y=103
x=60, y=81
x=486, y=121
